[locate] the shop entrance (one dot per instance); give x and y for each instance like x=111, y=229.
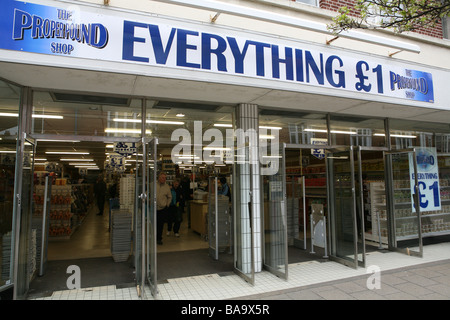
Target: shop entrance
x=77, y=236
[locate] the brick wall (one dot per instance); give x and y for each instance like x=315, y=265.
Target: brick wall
x=334, y=5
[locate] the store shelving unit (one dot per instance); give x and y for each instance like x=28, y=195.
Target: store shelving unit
x=378, y=213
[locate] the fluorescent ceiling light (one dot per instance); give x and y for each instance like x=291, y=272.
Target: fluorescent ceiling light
x=265, y=136
x=332, y=131
x=148, y=121
x=271, y=128
x=217, y=148
x=46, y=116
x=180, y=115
x=87, y=160
x=7, y=151
x=81, y=164
x=55, y=140
x=315, y=130
x=223, y=125
x=40, y=159
x=395, y=135
x=66, y=152
x=119, y=130
x=43, y=116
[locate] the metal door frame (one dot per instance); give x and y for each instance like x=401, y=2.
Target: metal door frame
x=359, y=150
x=392, y=243
x=299, y=147
x=283, y=204
x=250, y=277
x=149, y=217
x=331, y=204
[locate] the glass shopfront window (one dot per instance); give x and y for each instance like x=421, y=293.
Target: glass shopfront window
x=294, y=127
x=435, y=207
x=407, y=133
x=9, y=111
x=56, y=113
x=192, y=133
x=357, y=131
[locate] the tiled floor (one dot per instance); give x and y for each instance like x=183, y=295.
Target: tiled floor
x=217, y=287
x=92, y=239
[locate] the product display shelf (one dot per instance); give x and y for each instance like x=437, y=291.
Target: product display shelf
x=169, y=168
x=433, y=223
x=378, y=213
x=68, y=208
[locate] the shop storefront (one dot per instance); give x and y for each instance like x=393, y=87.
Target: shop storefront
x=324, y=149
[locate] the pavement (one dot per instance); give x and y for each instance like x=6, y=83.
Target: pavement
x=428, y=281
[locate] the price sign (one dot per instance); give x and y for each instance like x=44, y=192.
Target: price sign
x=428, y=178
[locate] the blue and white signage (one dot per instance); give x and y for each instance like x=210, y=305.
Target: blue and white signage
x=319, y=153
x=428, y=178
x=125, y=149
x=94, y=33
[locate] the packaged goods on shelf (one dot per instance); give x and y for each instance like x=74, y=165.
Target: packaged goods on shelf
x=127, y=192
x=6, y=256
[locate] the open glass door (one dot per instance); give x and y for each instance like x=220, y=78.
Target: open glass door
x=275, y=220
x=342, y=206
x=403, y=202
x=151, y=178
x=22, y=215
x=139, y=262
x=244, y=261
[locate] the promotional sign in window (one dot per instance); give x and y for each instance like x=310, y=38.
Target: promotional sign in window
x=428, y=178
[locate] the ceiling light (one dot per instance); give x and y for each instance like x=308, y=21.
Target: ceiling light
x=395, y=135
x=223, y=125
x=148, y=121
x=66, y=152
x=137, y=131
x=87, y=160
x=217, y=148
x=43, y=116
x=47, y=116
x=180, y=115
x=81, y=164
x=270, y=128
x=265, y=136
x=332, y=131
x=54, y=140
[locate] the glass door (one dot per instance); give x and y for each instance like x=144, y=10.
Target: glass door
x=342, y=206
x=403, y=202
x=244, y=260
x=275, y=221
x=151, y=223
x=139, y=235
x=22, y=214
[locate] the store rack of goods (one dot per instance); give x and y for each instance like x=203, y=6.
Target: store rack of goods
x=68, y=207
